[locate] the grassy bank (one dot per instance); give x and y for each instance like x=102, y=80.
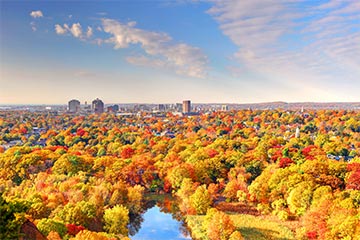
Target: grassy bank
x=251, y=227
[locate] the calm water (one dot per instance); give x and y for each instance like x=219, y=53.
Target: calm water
x=158, y=225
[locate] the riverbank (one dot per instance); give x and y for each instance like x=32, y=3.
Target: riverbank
x=251, y=227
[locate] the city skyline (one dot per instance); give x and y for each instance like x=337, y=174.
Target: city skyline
x=166, y=51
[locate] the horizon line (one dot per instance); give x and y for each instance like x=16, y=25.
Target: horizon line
x=229, y=103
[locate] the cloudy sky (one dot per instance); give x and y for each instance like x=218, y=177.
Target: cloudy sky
x=164, y=51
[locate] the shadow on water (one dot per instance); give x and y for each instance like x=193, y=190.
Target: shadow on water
x=160, y=218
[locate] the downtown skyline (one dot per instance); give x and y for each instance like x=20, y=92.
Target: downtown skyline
x=165, y=51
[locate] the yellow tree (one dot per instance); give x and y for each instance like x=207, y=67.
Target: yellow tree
x=200, y=200
x=116, y=220
x=218, y=225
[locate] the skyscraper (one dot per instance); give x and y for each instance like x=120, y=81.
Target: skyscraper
x=97, y=106
x=186, y=106
x=74, y=106
x=224, y=108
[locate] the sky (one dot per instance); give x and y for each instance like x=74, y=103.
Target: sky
x=165, y=51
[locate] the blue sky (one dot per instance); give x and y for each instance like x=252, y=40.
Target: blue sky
x=165, y=51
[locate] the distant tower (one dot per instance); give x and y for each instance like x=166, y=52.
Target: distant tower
x=297, y=132
x=224, y=108
x=302, y=109
x=74, y=106
x=97, y=106
x=186, y=106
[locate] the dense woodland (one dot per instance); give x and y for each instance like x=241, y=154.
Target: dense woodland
x=87, y=177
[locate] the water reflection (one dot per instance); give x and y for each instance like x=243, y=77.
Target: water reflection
x=135, y=223
x=161, y=220
x=159, y=225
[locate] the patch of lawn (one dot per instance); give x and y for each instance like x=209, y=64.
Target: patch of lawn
x=251, y=227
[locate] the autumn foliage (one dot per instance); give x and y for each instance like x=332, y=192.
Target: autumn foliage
x=87, y=176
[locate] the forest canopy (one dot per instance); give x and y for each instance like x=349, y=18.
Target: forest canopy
x=88, y=175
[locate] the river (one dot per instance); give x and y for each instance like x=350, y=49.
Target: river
x=161, y=221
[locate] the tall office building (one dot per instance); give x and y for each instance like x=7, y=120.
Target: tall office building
x=224, y=108
x=97, y=106
x=74, y=106
x=186, y=106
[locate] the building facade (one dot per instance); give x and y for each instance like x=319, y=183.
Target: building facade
x=224, y=108
x=186, y=106
x=74, y=106
x=97, y=106
x=113, y=108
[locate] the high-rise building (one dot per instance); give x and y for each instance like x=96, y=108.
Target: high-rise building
x=74, y=106
x=186, y=106
x=297, y=132
x=97, y=106
x=224, y=108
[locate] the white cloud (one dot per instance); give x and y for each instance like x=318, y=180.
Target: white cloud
x=352, y=7
x=159, y=48
x=292, y=41
x=162, y=52
x=125, y=34
x=330, y=4
x=36, y=14
x=145, y=61
x=89, y=32
x=61, y=30
x=76, y=30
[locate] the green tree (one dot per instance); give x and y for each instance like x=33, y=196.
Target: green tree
x=80, y=213
x=12, y=216
x=46, y=226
